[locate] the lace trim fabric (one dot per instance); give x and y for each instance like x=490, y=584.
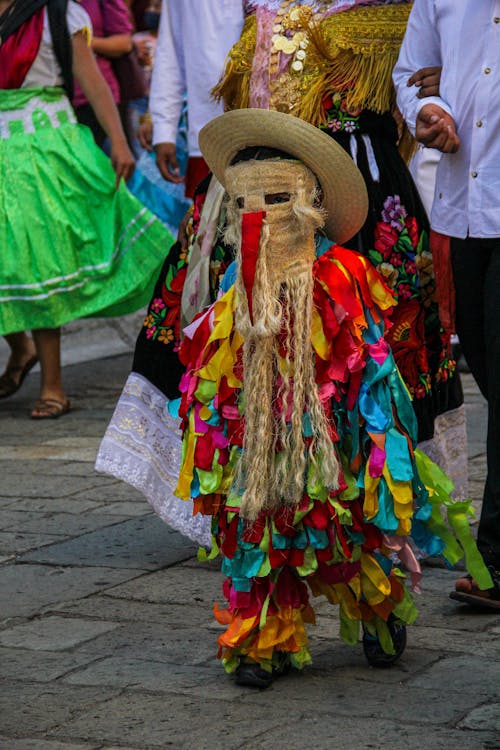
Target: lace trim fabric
x=142, y=446
x=448, y=449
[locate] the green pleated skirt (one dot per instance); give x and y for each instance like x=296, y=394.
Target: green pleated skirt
x=71, y=244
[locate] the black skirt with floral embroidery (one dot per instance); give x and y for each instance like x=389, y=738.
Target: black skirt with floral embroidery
x=395, y=237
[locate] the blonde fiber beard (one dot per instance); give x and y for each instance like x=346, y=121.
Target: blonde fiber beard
x=281, y=303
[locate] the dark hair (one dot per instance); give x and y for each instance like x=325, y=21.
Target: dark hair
x=260, y=153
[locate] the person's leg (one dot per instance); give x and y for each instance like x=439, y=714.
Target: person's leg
x=476, y=274
x=489, y=527
x=53, y=401
x=470, y=265
x=22, y=359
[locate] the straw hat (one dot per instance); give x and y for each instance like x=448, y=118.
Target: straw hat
x=344, y=192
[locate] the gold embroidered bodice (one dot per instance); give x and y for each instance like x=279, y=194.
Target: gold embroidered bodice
x=351, y=53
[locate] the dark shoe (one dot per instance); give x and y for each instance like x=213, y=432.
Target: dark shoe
x=468, y=592
x=250, y=674
x=13, y=378
x=374, y=652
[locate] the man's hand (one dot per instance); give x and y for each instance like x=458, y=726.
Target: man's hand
x=166, y=160
x=436, y=129
x=427, y=80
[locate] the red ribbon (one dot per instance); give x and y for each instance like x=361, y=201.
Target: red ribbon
x=251, y=227
x=443, y=273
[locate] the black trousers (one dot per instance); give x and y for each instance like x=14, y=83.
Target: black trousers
x=476, y=273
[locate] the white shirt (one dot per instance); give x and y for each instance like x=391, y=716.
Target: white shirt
x=193, y=41
x=45, y=70
x=464, y=37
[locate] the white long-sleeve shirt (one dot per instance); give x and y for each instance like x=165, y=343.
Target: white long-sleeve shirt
x=464, y=37
x=193, y=41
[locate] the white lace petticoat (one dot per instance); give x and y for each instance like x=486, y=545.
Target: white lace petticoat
x=142, y=446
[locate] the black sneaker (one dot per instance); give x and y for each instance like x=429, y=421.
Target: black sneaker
x=374, y=652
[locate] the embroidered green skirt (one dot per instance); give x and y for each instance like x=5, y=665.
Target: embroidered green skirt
x=71, y=244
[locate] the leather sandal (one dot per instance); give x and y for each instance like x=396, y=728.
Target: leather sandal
x=468, y=592
x=50, y=408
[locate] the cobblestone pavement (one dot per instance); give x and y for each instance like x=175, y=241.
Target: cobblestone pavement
x=107, y=640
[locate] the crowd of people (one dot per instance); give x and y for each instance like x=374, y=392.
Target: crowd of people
x=299, y=328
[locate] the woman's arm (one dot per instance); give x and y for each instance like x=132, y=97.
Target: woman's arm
x=100, y=98
x=112, y=46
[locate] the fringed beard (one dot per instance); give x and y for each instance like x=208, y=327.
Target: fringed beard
x=279, y=387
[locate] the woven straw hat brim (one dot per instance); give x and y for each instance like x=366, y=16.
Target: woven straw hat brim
x=344, y=192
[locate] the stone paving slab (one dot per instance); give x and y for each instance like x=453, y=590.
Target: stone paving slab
x=9, y=743
x=59, y=449
x=26, y=589
x=50, y=487
x=15, y=542
x=126, y=610
x=144, y=543
x=181, y=721
x=35, y=709
x=309, y=732
x=175, y=721
x=128, y=508
x=114, y=492
x=483, y=718
x=183, y=645
x=46, y=666
x=174, y=586
x=445, y=640
x=42, y=468
x=473, y=674
x=72, y=504
x=58, y=524
x=54, y=633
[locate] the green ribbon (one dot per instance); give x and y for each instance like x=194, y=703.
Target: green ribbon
x=349, y=629
x=457, y=511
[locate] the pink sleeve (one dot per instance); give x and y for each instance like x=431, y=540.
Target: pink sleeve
x=116, y=18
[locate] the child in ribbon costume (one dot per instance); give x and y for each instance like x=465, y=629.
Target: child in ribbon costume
x=299, y=434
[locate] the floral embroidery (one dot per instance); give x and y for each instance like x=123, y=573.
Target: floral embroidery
x=397, y=246
x=338, y=116
x=157, y=305
x=402, y=257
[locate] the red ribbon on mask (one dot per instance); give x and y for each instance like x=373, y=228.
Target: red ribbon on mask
x=251, y=228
